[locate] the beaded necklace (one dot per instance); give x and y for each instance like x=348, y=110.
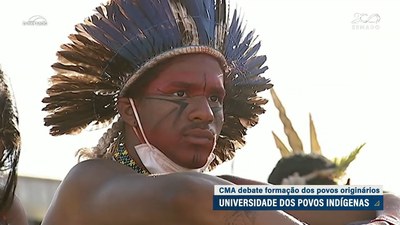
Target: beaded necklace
x=122, y=156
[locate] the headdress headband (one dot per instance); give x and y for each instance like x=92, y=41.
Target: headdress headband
x=125, y=38
x=11, y=140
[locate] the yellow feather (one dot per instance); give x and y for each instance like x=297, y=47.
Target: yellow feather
x=315, y=148
x=344, y=162
x=285, y=152
x=293, y=138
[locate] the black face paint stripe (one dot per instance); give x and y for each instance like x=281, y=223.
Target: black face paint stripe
x=196, y=155
x=205, y=83
x=181, y=103
x=217, y=109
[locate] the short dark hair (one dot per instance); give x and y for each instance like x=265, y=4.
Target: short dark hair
x=303, y=164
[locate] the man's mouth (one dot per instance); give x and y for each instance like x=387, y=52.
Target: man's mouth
x=199, y=136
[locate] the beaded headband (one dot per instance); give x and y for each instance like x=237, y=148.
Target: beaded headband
x=125, y=38
x=11, y=141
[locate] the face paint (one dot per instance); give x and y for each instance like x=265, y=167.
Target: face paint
x=181, y=110
x=153, y=159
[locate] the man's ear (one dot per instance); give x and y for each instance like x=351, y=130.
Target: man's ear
x=125, y=110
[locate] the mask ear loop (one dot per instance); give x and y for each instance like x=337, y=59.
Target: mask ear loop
x=139, y=123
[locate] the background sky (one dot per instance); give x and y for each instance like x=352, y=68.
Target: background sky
x=345, y=74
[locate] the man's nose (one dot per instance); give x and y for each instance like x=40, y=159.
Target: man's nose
x=200, y=109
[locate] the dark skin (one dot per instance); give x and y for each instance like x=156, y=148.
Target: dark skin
x=16, y=214
x=101, y=191
x=185, y=101
x=181, y=114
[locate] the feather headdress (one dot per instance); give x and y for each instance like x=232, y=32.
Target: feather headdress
x=125, y=38
x=335, y=169
x=10, y=141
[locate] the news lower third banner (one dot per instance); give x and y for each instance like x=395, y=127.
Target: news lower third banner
x=297, y=197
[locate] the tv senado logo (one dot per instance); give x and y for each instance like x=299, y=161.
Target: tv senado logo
x=36, y=20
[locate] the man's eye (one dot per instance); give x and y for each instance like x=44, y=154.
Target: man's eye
x=214, y=98
x=180, y=94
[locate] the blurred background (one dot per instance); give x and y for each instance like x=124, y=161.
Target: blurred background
x=337, y=60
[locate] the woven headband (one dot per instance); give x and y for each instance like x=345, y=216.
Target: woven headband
x=170, y=54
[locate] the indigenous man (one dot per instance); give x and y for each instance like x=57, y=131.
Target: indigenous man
x=180, y=82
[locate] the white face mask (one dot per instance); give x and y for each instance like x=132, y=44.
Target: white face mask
x=157, y=163
x=154, y=160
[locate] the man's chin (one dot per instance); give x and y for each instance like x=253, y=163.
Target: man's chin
x=196, y=165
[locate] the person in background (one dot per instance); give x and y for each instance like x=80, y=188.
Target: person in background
x=298, y=167
x=303, y=169
x=177, y=82
x=11, y=209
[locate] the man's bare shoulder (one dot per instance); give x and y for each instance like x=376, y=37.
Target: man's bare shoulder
x=94, y=172
x=103, y=166
x=82, y=187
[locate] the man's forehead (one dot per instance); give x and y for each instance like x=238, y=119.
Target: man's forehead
x=186, y=81
x=193, y=68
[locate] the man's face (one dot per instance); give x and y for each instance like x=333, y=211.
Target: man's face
x=182, y=109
